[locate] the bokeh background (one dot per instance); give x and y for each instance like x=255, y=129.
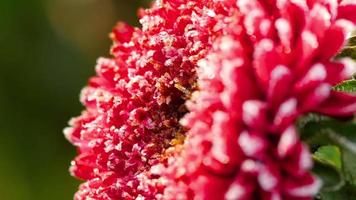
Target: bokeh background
x=48, y=49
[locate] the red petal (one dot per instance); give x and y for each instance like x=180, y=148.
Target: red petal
x=332, y=42
x=254, y=114
x=278, y=86
x=347, y=12
x=339, y=104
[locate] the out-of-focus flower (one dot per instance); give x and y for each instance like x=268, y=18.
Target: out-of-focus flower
x=271, y=62
x=274, y=64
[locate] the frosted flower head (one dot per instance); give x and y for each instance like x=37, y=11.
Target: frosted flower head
x=237, y=75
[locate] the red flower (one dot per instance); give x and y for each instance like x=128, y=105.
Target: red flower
x=274, y=64
x=134, y=103
x=271, y=62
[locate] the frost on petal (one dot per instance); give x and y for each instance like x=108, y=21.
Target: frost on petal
x=201, y=102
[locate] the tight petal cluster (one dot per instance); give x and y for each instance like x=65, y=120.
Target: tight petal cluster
x=256, y=66
x=134, y=103
x=274, y=64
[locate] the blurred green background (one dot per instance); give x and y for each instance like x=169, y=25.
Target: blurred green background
x=48, y=49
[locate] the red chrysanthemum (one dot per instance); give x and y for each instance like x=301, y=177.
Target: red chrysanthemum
x=134, y=104
x=274, y=64
x=271, y=62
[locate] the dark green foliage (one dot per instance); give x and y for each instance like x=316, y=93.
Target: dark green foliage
x=348, y=86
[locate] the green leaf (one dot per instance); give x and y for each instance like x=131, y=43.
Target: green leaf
x=349, y=50
x=346, y=86
x=328, y=167
x=311, y=128
x=344, y=136
x=349, y=166
x=329, y=155
x=341, y=134
x=352, y=41
x=348, y=192
x=331, y=177
x=317, y=131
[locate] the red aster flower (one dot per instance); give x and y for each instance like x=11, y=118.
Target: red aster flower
x=270, y=64
x=134, y=103
x=274, y=64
